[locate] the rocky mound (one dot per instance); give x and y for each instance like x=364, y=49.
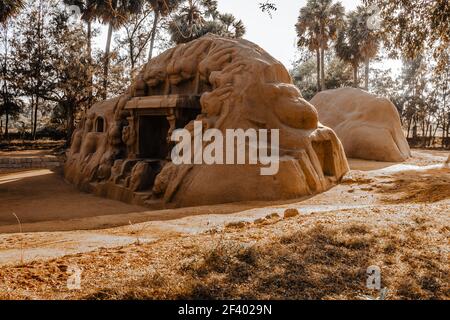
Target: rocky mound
x=368, y=126
x=121, y=147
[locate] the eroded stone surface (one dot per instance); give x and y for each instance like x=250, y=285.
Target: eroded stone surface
x=121, y=147
x=368, y=126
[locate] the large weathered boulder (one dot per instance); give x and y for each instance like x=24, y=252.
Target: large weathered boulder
x=121, y=148
x=368, y=126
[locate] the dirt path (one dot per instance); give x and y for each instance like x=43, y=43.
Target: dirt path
x=396, y=216
x=37, y=196
x=25, y=153
x=322, y=255
x=56, y=206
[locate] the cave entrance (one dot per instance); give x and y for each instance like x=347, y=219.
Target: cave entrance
x=324, y=151
x=154, y=117
x=153, y=131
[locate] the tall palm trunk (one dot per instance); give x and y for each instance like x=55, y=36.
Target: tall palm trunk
x=91, y=78
x=132, y=60
x=443, y=134
x=366, y=84
x=5, y=86
x=70, y=122
x=35, y=118
x=322, y=63
x=31, y=114
x=447, y=131
x=89, y=38
x=39, y=75
x=154, y=29
x=409, y=128
x=107, y=60
x=6, y=124
x=355, y=76
x=318, y=70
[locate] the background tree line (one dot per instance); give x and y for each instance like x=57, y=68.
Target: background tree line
x=51, y=72
x=337, y=47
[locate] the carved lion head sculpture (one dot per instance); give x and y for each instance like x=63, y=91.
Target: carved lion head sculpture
x=240, y=87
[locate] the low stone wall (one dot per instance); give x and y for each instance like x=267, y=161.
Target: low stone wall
x=47, y=162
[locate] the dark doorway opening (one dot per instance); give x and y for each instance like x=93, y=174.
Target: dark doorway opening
x=324, y=151
x=153, y=131
x=99, y=124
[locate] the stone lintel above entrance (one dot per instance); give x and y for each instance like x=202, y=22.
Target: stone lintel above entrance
x=163, y=102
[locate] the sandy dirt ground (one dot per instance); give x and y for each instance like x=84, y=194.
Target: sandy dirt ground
x=42, y=195
x=63, y=227
x=25, y=153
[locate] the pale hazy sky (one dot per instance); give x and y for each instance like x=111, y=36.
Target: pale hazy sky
x=277, y=34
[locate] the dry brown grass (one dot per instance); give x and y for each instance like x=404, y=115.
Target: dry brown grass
x=419, y=187
x=319, y=263
x=315, y=264
x=322, y=256
x=356, y=177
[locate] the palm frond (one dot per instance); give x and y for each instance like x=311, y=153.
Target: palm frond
x=10, y=8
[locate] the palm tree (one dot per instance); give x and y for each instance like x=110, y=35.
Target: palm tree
x=192, y=22
x=115, y=13
x=357, y=43
x=232, y=27
x=325, y=18
x=369, y=44
x=9, y=8
x=161, y=8
x=348, y=51
x=89, y=14
x=188, y=24
x=307, y=30
x=348, y=46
